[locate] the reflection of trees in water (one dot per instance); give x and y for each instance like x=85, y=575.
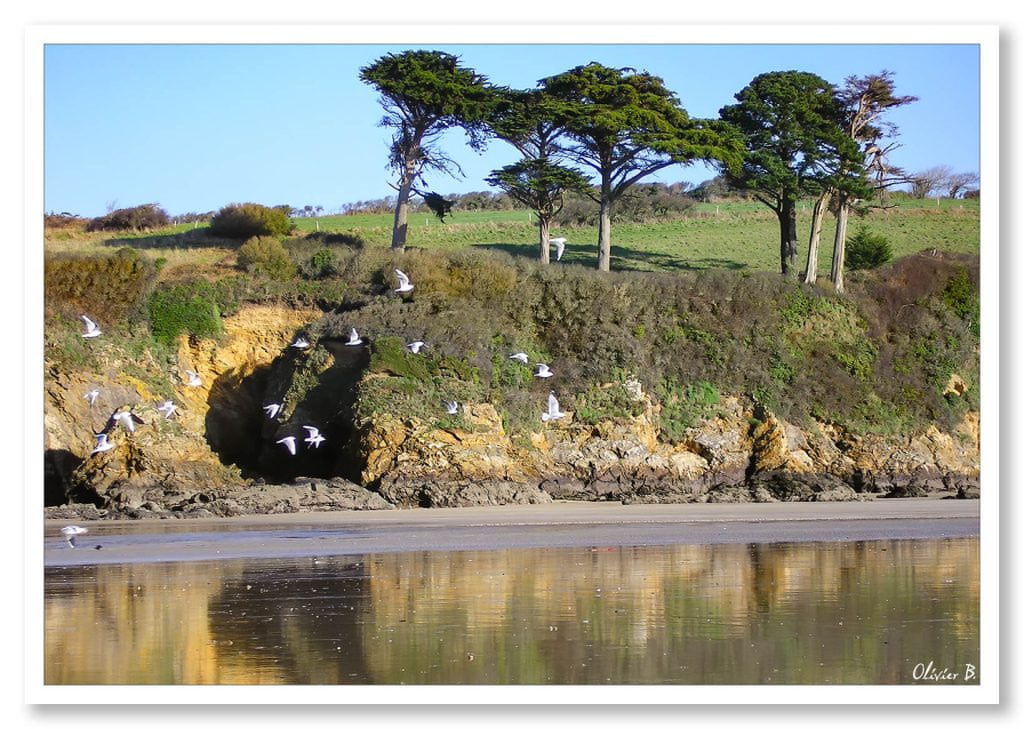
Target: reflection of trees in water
x=797, y=613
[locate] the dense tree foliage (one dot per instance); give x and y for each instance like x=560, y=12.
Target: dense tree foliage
x=140, y=217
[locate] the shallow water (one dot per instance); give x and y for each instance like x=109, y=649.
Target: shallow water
x=861, y=612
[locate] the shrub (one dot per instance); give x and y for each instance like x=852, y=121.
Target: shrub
x=246, y=220
x=187, y=307
x=141, y=217
x=865, y=249
x=962, y=297
x=266, y=256
x=322, y=264
x=106, y=288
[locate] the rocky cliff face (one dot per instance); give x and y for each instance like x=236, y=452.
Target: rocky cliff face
x=218, y=454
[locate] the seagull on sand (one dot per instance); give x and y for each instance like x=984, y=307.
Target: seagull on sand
x=71, y=531
x=404, y=286
x=91, y=396
x=300, y=343
x=272, y=409
x=559, y=247
x=520, y=357
x=193, y=379
x=543, y=371
x=553, y=413
x=314, y=439
x=167, y=409
x=353, y=338
x=416, y=346
x=91, y=330
x=289, y=443
x=102, y=444
x=128, y=419
x=451, y=406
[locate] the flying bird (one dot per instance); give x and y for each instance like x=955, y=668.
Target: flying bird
x=289, y=443
x=300, y=343
x=543, y=371
x=520, y=357
x=167, y=409
x=71, y=532
x=552, y=413
x=353, y=338
x=272, y=409
x=128, y=419
x=314, y=439
x=451, y=406
x=102, y=444
x=193, y=378
x=404, y=286
x=91, y=330
x=559, y=247
x=416, y=346
x=91, y=396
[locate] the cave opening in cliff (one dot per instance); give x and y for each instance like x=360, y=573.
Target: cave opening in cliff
x=243, y=434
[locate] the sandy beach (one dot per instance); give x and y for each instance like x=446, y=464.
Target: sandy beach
x=509, y=527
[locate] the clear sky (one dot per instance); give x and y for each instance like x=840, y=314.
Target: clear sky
x=196, y=127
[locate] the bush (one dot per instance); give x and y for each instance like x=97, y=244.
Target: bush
x=266, y=256
x=106, y=288
x=246, y=220
x=141, y=217
x=865, y=249
x=322, y=264
x=188, y=307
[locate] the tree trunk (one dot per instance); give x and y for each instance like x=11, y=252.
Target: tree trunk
x=839, y=247
x=820, y=206
x=787, y=234
x=545, y=247
x=401, y=225
x=604, y=229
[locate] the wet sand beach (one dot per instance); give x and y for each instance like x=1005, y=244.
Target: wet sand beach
x=565, y=524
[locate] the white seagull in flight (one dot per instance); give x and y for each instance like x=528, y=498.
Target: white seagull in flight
x=553, y=413
x=71, y=531
x=167, y=409
x=520, y=357
x=193, y=378
x=91, y=330
x=314, y=439
x=353, y=338
x=543, y=371
x=451, y=406
x=128, y=419
x=559, y=247
x=91, y=396
x=416, y=346
x=300, y=343
x=272, y=409
x=404, y=286
x=289, y=443
x=102, y=444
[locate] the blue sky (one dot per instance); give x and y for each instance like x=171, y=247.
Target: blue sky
x=196, y=127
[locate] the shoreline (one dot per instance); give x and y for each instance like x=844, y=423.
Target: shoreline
x=535, y=526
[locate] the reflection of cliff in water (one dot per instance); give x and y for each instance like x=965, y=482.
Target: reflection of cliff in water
x=842, y=613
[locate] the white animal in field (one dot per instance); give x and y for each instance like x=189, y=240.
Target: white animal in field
x=543, y=371
x=553, y=412
x=289, y=443
x=102, y=444
x=559, y=247
x=314, y=439
x=72, y=532
x=520, y=357
x=404, y=285
x=91, y=330
x=353, y=338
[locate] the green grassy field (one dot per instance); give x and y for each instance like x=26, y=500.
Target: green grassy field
x=731, y=235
